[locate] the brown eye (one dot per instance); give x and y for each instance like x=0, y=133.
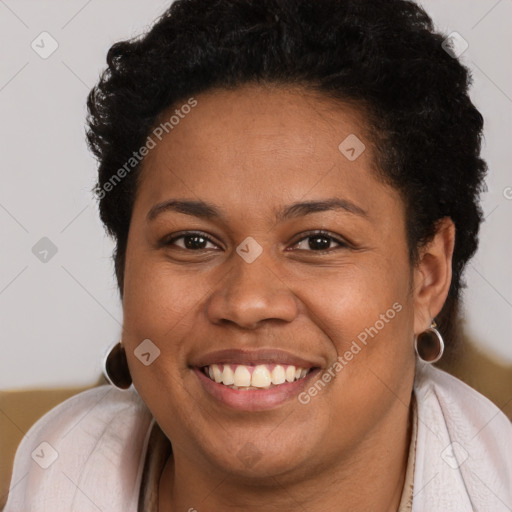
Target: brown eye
x=191, y=241
x=319, y=242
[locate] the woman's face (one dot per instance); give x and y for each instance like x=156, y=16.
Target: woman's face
x=234, y=275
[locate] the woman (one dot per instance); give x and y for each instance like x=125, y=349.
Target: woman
x=293, y=188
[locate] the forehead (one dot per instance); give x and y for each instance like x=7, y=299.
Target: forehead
x=259, y=146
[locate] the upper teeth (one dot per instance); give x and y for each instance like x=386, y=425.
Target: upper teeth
x=259, y=376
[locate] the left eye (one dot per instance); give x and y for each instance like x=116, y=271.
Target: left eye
x=318, y=242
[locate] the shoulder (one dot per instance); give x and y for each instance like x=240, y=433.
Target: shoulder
x=464, y=445
x=460, y=401
x=86, y=450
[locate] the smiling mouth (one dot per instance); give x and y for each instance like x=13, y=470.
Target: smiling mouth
x=251, y=377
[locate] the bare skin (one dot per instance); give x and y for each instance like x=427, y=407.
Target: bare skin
x=252, y=152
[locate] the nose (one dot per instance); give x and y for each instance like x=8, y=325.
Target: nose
x=252, y=294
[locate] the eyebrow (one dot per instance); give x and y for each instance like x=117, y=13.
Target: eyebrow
x=210, y=211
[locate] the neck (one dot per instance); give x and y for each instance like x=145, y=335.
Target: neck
x=371, y=477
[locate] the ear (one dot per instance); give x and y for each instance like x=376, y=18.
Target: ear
x=433, y=275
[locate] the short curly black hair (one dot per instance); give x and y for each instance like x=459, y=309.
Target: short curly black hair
x=383, y=55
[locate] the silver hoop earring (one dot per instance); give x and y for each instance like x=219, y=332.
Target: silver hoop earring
x=429, y=345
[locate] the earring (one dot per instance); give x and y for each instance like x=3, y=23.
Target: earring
x=429, y=345
x=116, y=367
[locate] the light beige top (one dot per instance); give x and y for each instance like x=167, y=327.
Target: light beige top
x=159, y=449
x=90, y=453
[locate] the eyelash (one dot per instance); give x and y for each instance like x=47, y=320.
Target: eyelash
x=324, y=234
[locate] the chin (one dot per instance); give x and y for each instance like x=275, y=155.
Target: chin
x=255, y=457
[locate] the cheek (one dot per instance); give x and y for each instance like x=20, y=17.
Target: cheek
x=159, y=305
x=374, y=370
x=158, y=299
x=367, y=313
x=352, y=299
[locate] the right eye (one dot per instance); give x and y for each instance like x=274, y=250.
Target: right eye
x=191, y=240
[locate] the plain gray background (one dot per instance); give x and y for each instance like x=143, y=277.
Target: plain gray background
x=58, y=317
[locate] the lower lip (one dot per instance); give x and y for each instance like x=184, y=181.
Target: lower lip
x=254, y=399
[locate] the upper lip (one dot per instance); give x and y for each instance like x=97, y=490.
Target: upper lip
x=253, y=357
